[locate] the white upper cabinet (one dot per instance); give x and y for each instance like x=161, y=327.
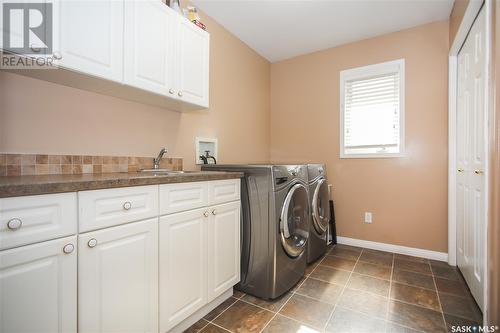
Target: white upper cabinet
x=192, y=63
x=38, y=287
x=89, y=37
x=148, y=51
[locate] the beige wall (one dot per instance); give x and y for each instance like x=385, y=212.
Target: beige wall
x=41, y=117
x=456, y=16
x=408, y=195
x=493, y=288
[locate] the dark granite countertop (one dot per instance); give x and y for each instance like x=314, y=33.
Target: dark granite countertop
x=31, y=185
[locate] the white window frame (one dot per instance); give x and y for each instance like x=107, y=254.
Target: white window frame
x=373, y=70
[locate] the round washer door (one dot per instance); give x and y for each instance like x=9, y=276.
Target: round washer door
x=320, y=207
x=293, y=221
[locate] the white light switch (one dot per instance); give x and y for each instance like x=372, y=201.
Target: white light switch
x=368, y=217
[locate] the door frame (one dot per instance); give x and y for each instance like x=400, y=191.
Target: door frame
x=472, y=10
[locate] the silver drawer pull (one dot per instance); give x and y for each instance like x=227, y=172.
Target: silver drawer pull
x=92, y=242
x=68, y=248
x=214, y=212
x=127, y=205
x=206, y=214
x=14, y=224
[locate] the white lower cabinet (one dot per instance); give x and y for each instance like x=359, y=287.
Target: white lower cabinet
x=223, y=248
x=118, y=279
x=38, y=287
x=183, y=265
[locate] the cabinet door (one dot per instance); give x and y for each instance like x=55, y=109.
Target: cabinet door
x=223, y=248
x=89, y=37
x=148, y=46
x=183, y=266
x=38, y=287
x=193, y=63
x=118, y=279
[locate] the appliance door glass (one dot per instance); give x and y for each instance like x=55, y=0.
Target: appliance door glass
x=320, y=207
x=294, y=221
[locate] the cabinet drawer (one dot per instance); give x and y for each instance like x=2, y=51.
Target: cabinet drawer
x=31, y=219
x=185, y=196
x=220, y=191
x=104, y=208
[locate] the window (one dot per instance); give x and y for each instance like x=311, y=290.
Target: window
x=372, y=110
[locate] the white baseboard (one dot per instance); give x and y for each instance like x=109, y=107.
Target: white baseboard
x=411, y=251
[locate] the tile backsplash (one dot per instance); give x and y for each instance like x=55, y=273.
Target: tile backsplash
x=37, y=164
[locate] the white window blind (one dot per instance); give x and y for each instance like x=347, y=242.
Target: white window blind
x=372, y=110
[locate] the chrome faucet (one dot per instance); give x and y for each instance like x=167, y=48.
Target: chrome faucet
x=157, y=160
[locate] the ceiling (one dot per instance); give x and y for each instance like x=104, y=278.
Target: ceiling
x=281, y=29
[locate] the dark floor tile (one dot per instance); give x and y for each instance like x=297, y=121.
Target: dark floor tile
x=244, y=317
x=449, y=272
x=348, y=247
x=415, y=295
x=331, y=275
x=375, y=258
x=416, y=317
x=211, y=328
x=395, y=328
x=310, y=267
x=438, y=263
x=410, y=258
x=218, y=310
x=378, y=271
x=372, y=305
x=413, y=279
x=454, y=287
x=419, y=267
x=336, y=262
x=298, y=284
x=271, y=305
x=307, y=310
x=281, y=324
x=369, y=284
x=197, y=327
x=452, y=321
x=345, y=320
x=460, y=307
x=379, y=253
x=238, y=293
x=320, y=290
x=344, y=253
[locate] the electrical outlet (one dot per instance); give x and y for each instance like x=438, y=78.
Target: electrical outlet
x=368, y=217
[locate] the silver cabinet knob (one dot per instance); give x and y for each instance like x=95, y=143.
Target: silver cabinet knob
x=214, y=212
x=171, y=91
x=92, y=242
x=68, y=248
x=179, y=93
x=14, y=224
x=127, y=205
x=478, y=172
x=460, y=170
x=206, y=214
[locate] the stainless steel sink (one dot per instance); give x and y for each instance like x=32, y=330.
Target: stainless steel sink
x=165, y=171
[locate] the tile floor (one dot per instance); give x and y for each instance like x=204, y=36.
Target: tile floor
x=355, y=290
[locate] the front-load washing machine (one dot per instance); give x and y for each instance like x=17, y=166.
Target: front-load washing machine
x=275, y=227
x=320, y=211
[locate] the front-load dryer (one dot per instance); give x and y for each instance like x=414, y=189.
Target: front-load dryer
x=275, y=227
x=320, y=211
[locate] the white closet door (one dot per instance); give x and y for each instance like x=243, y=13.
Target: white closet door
x=471, y=146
